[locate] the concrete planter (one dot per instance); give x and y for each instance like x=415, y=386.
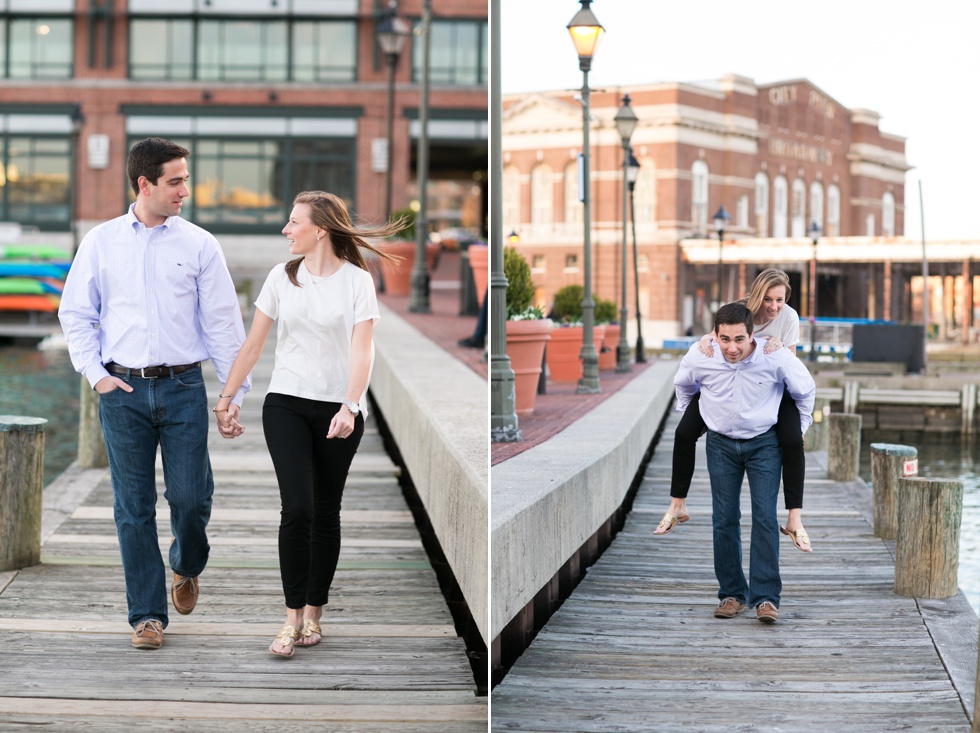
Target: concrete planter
x=525, y=347
x=564, y=364
x=610, y=340
x=398, y=275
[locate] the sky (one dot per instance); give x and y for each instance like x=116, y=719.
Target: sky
x=916, y=64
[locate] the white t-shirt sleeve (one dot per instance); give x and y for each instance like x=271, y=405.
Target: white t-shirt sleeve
x=365, y=299
x=268, y=300
x=789, y=330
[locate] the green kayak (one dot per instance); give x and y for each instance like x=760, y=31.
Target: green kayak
x=33, y=252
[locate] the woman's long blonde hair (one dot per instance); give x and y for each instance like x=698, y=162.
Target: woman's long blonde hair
x=767, y=279
x=329, y=212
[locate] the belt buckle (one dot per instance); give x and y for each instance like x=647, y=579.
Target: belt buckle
x=143, y=372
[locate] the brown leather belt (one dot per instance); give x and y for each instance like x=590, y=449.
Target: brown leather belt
x=149, y=372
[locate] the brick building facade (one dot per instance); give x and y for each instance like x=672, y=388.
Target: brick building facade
x=270, y=96
x=778, y=157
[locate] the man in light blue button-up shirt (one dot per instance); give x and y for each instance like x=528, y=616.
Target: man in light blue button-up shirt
x=147, y=299
x=741, y=388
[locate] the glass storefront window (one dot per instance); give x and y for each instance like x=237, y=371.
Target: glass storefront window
x=40, y=48
x=161, y=49
x=35, y=184
x=458, y=52
x=324, y=50
x=242, y=50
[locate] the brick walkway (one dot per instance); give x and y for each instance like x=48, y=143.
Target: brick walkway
x=559, y=408
x=443, y=326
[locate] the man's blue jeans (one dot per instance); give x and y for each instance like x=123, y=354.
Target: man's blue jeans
x=728, y=462
x=171, y=412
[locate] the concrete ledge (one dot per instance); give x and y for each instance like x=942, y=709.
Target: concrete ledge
x=436, y=409
x=550, y=499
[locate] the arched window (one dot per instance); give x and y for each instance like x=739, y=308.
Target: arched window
x=574, y=210
x=742, y=212
x=833, y=210
x=888, y=214
x=869, y=225
x=699, y=197
x=645, y=194
x=541, y=196
x=512, y=199
x=780, y=207
x=798, y=226
x=762, y=204
x=816, y=204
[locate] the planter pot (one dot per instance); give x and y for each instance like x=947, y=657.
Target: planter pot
x=398, y=275
x=480, y=264
x=564, y=349
x=610, y=340
x=525, y=347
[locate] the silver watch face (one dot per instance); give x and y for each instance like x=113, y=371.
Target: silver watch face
x=353, y=407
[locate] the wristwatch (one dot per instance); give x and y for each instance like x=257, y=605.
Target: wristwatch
x=355, y=409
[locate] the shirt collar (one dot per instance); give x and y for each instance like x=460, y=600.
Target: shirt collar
x=133, y=221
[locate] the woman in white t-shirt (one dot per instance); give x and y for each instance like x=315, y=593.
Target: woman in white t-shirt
x=781, y=324
x=313, y=414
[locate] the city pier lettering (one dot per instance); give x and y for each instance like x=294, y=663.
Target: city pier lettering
x=800, y=151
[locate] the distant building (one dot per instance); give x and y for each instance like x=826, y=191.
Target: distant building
x=778, y=157
x=271, y=96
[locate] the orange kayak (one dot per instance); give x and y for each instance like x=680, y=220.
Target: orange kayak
x=46, y=303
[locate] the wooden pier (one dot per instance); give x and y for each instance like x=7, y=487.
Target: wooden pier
x=636, y=647
x=390, y=658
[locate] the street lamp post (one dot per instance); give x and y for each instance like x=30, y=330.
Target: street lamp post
x=625, y=122
x=632, y=172
x=722, y=217
x=814, y=232
x=391, y=33
x=77, y=122
x=585, y=31
x=418, y=299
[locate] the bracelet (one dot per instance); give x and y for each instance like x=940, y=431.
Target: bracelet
x=217, y=410
x=226, y=396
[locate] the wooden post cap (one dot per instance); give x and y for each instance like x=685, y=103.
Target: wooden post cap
x=892, y=449
x=22, y=424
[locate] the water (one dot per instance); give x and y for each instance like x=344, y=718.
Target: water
x=950, y=458
x=43, y=384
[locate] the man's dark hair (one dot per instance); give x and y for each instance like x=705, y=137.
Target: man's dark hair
x=732, y=315
x=148, y=157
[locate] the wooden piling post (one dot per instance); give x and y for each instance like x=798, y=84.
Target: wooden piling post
x=816, y=435
x=844, y=446
x=889, y=463
x=928, y=546
x=91, y=444
x=21, y=484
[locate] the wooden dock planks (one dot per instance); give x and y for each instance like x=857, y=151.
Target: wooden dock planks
x=390, y=658
x=636, y=648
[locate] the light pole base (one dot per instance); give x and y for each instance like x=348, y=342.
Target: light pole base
x=507, y=434
x=641, y=355
x=418, y=301
x=623, y=363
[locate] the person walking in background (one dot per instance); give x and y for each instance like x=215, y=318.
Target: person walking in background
x=741, y=387
x=313, y=415
x=147, y=299
x=774, y=319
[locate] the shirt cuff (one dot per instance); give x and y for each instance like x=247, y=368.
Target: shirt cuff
x=95, y=374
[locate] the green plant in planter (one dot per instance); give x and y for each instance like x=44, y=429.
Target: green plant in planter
x=567, y=307
x=520, y=287
x=408, y=233
x=605, y=311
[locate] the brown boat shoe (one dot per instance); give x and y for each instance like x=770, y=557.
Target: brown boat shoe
x=729, y=608
x=767, y=613
x=148, y=634
x=184, y=593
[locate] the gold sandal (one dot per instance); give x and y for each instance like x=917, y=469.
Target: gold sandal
x=310, y=627
x=668, y=522
x=800, y=538
x=287, y=639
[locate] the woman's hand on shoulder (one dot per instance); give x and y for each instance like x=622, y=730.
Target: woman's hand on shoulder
x=773, y=344
x=704, y=345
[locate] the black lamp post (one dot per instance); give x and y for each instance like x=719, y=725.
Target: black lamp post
x=77, y=121
x=814, y=232
x=391, y=33
x=625, y=121
x=722, y=217
x=632, y=172
x=585, y=31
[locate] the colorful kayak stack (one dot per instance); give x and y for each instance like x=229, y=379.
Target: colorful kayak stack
x=32, y=277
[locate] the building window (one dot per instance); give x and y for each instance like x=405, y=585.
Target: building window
x=458, y=52
x=799, y=209
x=833, y=210
x=574, y=210
x=571, y=263
x=816, y=204
x=761, y=204
x=699, y=197
x=888, y=214
x=34, y=180
x=36, y=48
x=742, y=212
x=869, y=225
x=645, y=194
x=512, y=199
x=539, y=264
x=780, y=207
x=541, y=194
x=234, y=49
